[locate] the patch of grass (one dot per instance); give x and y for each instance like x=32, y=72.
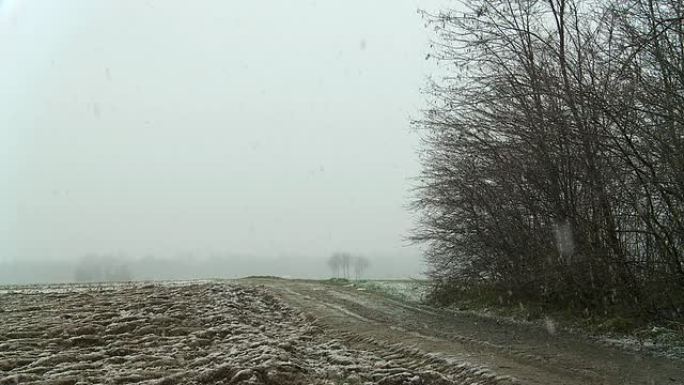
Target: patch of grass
x=405, y=290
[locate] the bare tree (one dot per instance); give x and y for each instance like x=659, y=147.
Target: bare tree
x=346, y=264
x=553, y=152
x=335, y=262
x=340, y=262
x=360, y=265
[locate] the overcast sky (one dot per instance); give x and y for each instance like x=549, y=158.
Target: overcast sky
x=266, y=128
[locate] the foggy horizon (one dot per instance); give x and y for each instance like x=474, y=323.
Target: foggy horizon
x=158, y=129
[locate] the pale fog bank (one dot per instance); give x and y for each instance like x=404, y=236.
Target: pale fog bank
x=95, y=268
x=264, y=129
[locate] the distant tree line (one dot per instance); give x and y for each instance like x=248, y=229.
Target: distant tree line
x=343, y=264
x=553, y=153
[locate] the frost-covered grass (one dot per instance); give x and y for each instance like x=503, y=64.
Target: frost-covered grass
x=409, y=290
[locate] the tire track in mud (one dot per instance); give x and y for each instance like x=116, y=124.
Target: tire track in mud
x=465, y=340
x=414, y=358
x=407, y=357
x=469, y=341
x=435, y=335
x=412, y=337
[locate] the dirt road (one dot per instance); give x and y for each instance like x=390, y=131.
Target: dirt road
x=411, y=333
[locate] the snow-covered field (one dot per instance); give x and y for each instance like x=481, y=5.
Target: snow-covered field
x=176, y=333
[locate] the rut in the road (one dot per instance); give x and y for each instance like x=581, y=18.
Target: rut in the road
x=414, y=359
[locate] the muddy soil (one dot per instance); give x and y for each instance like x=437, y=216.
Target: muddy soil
x=205, y=333
x=501, y=349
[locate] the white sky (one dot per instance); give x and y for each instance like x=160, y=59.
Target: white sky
x=160, y=127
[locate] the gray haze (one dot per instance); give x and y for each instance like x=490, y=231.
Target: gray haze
x=252, y=131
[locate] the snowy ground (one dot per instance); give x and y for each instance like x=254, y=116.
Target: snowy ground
x=173, y=333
